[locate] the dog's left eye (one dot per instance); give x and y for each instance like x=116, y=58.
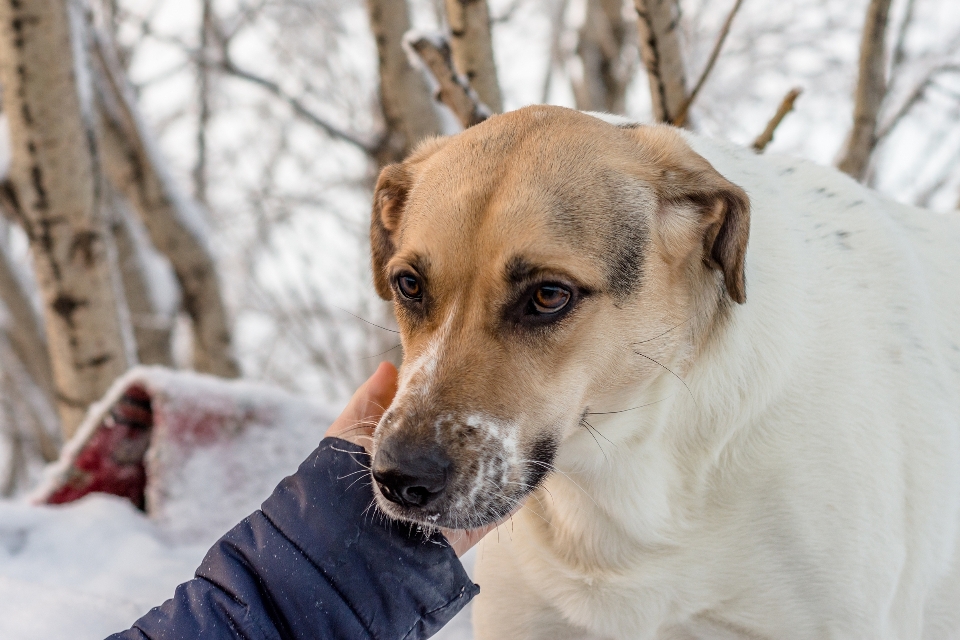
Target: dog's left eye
x=550, y=298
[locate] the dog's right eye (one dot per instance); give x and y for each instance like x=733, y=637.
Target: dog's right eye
x=409, y=286
x=545, y=303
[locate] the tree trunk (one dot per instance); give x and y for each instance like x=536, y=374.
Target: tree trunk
x=57, y=187
x=171, y=218
x=472, y=49
x=26, y=329
x=603, y=37
x=658, y=27
x=153, y=331
x=407, y=105
x=870, y=92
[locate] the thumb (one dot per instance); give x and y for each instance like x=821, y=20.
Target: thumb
x=363, y=411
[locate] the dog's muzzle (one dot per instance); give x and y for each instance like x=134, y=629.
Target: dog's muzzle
x=411, y=476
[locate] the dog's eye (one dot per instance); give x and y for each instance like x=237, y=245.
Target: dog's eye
x=550, y=298
x=409, y=286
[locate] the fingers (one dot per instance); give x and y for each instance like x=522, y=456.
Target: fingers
x=360, y=417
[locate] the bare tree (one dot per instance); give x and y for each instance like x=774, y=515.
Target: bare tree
x=870, y=92
x=407, y=106
x=57, y=194
x=152, y=328
x=172, y=219
x=658, y=28
x=472, y=48
x=604, y=46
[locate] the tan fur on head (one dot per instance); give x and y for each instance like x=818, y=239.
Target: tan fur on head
x=638, y=230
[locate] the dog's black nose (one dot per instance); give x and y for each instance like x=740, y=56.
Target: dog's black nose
x=410, y=476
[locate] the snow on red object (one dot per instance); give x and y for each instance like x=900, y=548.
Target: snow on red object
x=197, y=453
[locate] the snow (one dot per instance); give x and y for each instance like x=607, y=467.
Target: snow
x=92, y=567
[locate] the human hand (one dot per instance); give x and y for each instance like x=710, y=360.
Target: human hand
x=363, y=412
x=358, y=421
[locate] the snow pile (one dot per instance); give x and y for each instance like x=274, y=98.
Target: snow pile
x=216, y=448
x=85, y=569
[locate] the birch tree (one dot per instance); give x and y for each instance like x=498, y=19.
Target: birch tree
x=471, y=46
x=658, y=24
x=57, y=191
x=404, y=95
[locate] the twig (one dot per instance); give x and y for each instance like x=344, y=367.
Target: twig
x=228, y=67
x=454, y=90
x=899, y=49
x=915, y=96
x=681, y=118
x=786, y=106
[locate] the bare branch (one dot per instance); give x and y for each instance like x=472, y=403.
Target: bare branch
x=472, y=48
x=230, y=68
x=914, y=97
x=657, y=25
x=899, y=48
x=603, y=39
x=153, y=330
x=786, y=106
x=203, y=100
x=454, y=90
x=136, y=169
x=681, y=118
x=870, y=92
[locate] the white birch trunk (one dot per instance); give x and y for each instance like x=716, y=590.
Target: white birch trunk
x=472, y=48
x=57, y=186
x=407, y=104
x=658, y=27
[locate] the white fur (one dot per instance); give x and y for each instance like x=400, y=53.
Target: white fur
x=811, y=489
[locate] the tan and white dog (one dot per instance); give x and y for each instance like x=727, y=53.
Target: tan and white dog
x=712, y=437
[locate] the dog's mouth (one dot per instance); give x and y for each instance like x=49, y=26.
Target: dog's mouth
x=464, y=484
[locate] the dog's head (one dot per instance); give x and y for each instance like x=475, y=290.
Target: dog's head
x=537, y=263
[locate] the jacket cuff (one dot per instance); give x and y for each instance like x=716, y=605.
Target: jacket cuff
x=397, y=581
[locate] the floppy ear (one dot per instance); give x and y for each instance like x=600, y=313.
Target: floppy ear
x=389, y=197
x=684, y=180
x=389, y=200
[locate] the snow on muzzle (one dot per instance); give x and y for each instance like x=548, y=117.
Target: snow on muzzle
x=453, y=469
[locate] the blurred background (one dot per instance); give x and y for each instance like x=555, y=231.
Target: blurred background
x=187, y=182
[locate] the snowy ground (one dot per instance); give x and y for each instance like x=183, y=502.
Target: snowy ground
x=85, y=570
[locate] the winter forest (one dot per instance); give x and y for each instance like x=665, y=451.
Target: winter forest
x=187, y=183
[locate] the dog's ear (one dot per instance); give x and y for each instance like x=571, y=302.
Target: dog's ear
x=685, y=181
x=389, y=200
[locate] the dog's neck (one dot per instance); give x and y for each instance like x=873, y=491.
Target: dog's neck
x=637, y=480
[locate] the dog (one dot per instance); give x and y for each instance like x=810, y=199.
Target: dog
x=724, y=387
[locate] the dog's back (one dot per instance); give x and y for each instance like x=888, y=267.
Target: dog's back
x=874, y=306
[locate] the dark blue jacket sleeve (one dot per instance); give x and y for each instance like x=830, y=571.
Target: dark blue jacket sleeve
x=317, y=561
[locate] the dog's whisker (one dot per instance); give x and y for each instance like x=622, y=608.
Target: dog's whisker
x=373, y=324
x=673, y=328
x=670, y=371
x=377, y=355
x=649, y=404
